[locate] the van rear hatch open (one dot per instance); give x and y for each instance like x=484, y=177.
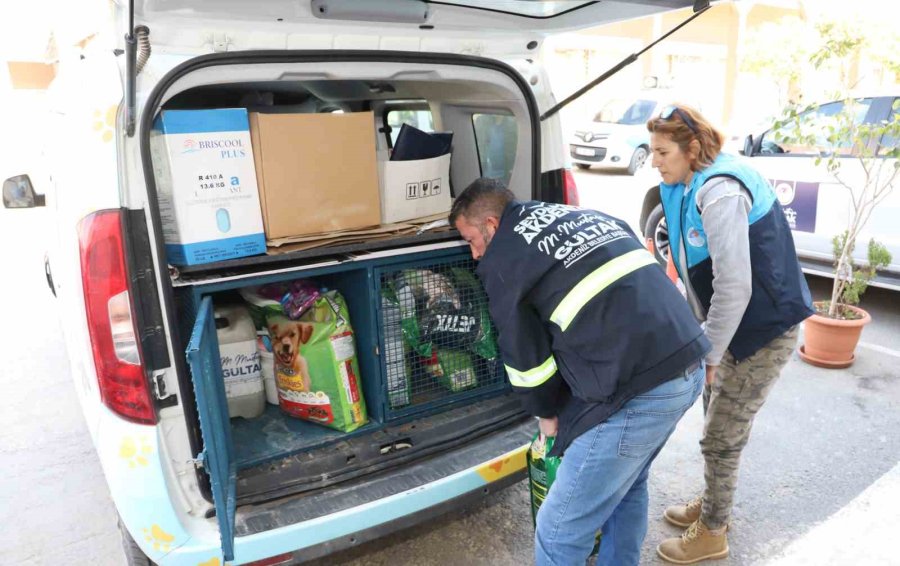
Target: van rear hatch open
x=274, y=456
x=275, y=466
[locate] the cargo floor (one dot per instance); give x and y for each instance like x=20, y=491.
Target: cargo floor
x=294, y=456
x=274, y=434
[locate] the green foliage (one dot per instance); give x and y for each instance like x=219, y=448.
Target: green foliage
x=839, y=42
x=840, y=138
x=778, y=52
x=798, y=54
x=856, y=280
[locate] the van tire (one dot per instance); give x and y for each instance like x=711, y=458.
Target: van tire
x=656, y=228
x=638, y=158
x=134, y=556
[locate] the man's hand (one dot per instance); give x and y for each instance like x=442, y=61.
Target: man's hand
x=711, y=374
x=549, y=426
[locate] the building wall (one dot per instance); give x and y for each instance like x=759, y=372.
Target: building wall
x=698, y=64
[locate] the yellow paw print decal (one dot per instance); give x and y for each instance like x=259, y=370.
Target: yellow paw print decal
x=503, y=466
x=162, y=541
x=211, y=562
x=106, y=124
x=135, y=454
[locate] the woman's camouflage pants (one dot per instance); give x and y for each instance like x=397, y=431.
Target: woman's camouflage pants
x=738, y=393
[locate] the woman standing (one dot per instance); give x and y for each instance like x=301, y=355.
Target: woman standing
x=733, y=249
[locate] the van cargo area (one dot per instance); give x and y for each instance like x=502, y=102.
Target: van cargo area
x=425, y=376
x=415, y=405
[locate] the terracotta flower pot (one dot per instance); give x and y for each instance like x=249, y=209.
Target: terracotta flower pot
x=829, y=342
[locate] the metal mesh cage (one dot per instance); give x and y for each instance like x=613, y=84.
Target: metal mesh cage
x=438, y=341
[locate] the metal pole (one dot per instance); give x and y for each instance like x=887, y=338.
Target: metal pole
x=621, y=65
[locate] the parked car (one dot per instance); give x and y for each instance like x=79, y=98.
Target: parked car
x=617, y=137
x=816, y=206
x=191, y=485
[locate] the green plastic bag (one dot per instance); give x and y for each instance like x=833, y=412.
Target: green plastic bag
x=484, y=342
x=399, y=291
x=453, y=369
x=541, y=475
x=444, y=319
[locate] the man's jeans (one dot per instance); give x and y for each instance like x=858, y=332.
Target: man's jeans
x=602, y=480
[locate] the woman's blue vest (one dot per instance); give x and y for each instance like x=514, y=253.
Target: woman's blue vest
x=780, y=298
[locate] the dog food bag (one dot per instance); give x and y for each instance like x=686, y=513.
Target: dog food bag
x=315, y=365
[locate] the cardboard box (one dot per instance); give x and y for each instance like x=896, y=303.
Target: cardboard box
x=206, y=183
x=413, y=189
x=316, y=172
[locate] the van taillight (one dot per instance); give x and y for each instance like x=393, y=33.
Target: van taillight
x=110, y=317
x=570, y=190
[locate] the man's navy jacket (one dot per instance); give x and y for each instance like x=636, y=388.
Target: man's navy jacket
x=587, y=318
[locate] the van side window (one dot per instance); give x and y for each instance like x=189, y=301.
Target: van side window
x=420, y=119
x=820, y=118
x=495, y=137
x=888, y=141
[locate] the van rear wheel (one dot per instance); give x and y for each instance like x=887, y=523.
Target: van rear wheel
x=134, y=556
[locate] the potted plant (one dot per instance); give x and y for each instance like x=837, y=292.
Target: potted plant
x=843, y=141
x=831, y=334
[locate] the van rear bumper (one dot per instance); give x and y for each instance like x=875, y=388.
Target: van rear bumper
x=416, y=493
x=384, y=529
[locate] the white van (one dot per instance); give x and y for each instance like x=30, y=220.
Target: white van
x=192, y=486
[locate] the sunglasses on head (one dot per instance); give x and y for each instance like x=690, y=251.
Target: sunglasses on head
x=669, y=110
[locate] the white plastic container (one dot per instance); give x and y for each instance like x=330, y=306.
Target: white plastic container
x=267, y=360
x=240, y=359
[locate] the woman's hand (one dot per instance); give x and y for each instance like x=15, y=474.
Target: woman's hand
x=711, y=374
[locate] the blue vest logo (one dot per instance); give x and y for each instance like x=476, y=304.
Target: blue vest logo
x=695, y=238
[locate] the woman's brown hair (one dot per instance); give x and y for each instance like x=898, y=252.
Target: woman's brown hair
x=683, y=125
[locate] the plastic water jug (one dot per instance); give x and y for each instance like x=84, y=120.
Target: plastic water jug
x=241, y=367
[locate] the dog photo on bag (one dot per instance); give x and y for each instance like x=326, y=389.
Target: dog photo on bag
x=287, y=337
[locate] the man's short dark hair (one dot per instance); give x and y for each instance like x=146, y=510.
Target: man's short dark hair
x=484, y=197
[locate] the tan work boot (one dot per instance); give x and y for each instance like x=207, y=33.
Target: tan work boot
x=696, y=544
x=684, y=515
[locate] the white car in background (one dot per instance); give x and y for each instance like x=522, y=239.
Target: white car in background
x=617, y=136
x=817, y=207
